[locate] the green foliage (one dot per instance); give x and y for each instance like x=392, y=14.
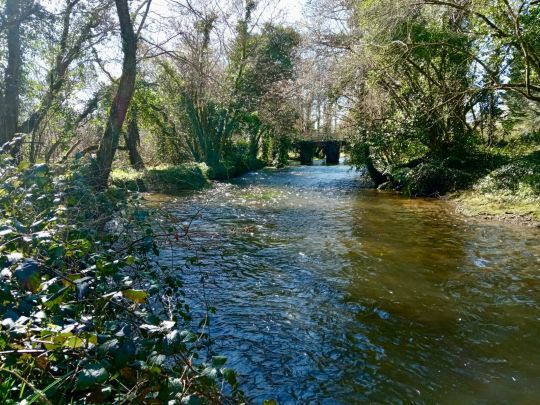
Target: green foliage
x=522, y=175
x=431, y=179
x=86, y=315
x=163, y=179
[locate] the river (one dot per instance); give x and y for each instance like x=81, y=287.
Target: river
x=330, y=293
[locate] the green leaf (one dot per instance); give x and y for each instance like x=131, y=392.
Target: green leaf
x=130, y=260
x=137, y=296
x=74, y=342
x=191, y=400
x=108, y=347
x=230, y=376
x=4, y=231
x=218, y=361
x=23, y=165
x=125, y=353
x=28, y=275
x=91, y=375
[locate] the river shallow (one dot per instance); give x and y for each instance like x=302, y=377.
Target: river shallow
x=330, y=293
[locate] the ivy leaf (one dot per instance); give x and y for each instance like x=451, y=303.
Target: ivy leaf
x=191, y=400
x=108, y=347
x=5, y=230
x=125, y=353
x=28, y=275
x=137, y=296
x=91, y=375
x=230, y=376
x=74, y=342
x=218, y=361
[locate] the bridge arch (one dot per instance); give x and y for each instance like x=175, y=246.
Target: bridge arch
x=307, y=149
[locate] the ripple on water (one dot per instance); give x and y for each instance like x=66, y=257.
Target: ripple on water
x=328, y=293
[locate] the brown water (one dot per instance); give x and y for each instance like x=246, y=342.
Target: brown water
x=328, y=293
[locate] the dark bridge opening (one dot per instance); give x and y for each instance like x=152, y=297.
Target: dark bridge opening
x=331, y=149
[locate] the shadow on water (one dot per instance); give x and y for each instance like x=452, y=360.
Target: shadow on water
x=327, y=292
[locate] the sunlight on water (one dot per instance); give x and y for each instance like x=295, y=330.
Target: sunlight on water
x=330, y=293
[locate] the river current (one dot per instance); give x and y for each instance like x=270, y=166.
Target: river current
x=327, y=292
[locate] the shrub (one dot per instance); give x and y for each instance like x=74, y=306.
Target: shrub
x=523, y=173
x=163, y=179
x=86, y=314
x=431, y=179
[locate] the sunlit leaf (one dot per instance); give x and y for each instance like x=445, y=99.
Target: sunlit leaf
x=137, y=296
x=91, y=375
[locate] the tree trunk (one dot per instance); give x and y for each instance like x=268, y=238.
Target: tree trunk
x=119, y=107
x=376, y=176
x=9, y=103
x=133, y=143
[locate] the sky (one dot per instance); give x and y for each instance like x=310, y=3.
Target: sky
x=290, y=10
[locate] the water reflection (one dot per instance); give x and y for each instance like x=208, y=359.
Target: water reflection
x=330, y=293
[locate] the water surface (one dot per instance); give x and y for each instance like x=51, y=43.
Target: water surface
x=330, y=293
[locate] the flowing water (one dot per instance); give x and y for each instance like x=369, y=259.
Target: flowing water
x=330, y=293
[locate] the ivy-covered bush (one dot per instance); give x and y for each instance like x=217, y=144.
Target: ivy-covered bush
x=521, y=175
x=430, y=179
x=86, y=314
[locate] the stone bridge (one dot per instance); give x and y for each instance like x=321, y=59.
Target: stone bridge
x=308, y=149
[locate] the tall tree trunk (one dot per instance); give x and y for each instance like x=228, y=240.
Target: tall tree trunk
x=119, y=107
x=9, y=103
x=133, y=143
x=376, y=176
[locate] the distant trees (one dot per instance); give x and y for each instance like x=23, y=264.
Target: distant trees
x=218, y=99
x=427, y=81
x=263, y=70
x=220, y=88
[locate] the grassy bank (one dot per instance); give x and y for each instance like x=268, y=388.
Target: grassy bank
x=177, y=179
x=511, y=191
x=497, y=182
x=163, y=179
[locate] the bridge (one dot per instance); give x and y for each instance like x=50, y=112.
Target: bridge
x=309, y=147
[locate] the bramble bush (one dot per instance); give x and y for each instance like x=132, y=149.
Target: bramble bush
x=87, y=315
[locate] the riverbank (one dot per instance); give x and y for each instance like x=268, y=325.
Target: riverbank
x=498, y=206
x=511, y=191
x=501, y=182
x=180, y=178
x=163, y=179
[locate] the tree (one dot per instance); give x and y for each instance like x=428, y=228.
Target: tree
x=507, y=32
x=121, y=102
x=133, y=141
x=262, y=65
x=16, y=12
x=77, y=34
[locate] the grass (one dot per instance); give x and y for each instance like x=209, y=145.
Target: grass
x=510, y=191
x=163, y=179
x=498, y=204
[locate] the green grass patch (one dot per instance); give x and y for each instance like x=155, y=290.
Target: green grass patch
x=163, y=179
x=513, y=188
x=498, y=204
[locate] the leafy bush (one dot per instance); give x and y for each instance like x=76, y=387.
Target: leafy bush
x=237, y=162
x=521, y=174
x=430, y=179
x=86, y=315
x=163, y=179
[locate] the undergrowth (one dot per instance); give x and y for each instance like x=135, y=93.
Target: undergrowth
x=87, y=315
